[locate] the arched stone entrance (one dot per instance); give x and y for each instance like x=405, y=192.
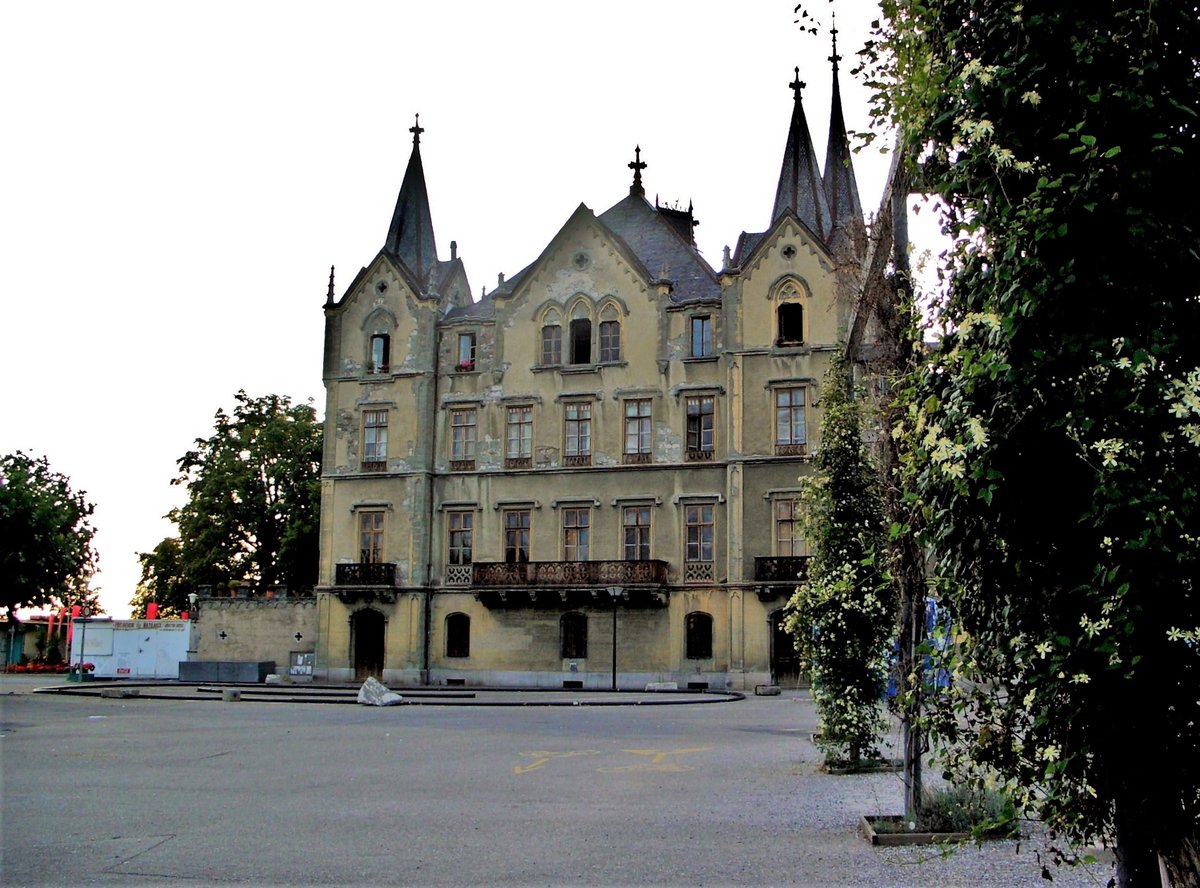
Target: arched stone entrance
x=366, y=643
x=785, y=663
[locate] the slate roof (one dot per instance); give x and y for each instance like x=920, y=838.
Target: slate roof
x=659, y=244
x=410, y=236
x=800, y=188
x=841, y=188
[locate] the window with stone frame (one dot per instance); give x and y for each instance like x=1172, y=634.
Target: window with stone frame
x=379, y=353
x=466, y=352
x=577, y=433
x=791, y=434
x=789, y=537
x=700, y=525
x=635, y=528
x=573, y=635
x=552, y=343
x=460, y=527
x=576, y=528
x=700, y=418
x=610, y=341
x=790, y=319
x=370, y=536
x=458, y=635
x=516, y=535
x=374, y=440
x=462, y=439
x=518, y=452
x=638, y=430
x=698, y=632
x=581, y=340
x=702, y=336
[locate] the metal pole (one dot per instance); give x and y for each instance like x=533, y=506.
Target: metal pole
x=615, y=593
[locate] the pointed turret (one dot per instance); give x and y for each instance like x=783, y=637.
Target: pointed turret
x=410, y=237
x=841, y=188
x=800, y=189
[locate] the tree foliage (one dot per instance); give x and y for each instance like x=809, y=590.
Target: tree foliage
x=162, y=581
x=1055, y=436
x=843, y=615
x=46, y=551
x=253, y=501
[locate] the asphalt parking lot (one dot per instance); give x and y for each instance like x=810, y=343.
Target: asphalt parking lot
x=207, y=792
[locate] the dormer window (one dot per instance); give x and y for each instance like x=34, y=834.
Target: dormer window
x=702, y=340
x=551, y=339
x=380, y=356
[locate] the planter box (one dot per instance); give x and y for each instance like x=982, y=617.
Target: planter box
x=865, y=766
x=892, y=830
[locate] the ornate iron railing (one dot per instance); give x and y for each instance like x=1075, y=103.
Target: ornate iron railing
x=789, y=569
x=570, y=573
x=378, y=574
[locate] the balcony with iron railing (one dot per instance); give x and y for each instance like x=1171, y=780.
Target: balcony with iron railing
x=779, y=575
x=365, y=574
x=569, y=573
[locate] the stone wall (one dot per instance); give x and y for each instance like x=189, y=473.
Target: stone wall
x=255, y=629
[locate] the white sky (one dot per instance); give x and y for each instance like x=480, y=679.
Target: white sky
x=178, y=178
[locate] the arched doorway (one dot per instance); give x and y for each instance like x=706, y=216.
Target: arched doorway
x=785, y=663
x=366, y=643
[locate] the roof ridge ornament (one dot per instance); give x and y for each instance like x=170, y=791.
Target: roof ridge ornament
x=416, y=129
x=637, y=165
x=797, y=84
x=835, y=58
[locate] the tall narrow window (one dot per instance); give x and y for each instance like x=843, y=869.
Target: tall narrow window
x=518, y=453
x=576, y=527
x=381, y=353
x=637, y=431
x=698, y=627
x=610, y=341
x=699, y=521
x=462, y=440
x=466, y=352
x=581, y=341
x=516, y=535
x=702, y=341
x=370, y=535
x=789, y=540
x=791, y=323
x=577, y=434
x=460, y=526
x=551, y=344
x=374, y=452
x=573, y=631
x=635, y=524
x=700, y=427
x=790, y=438
x=458, y=635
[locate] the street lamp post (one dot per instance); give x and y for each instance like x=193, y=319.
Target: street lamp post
x=615, y=592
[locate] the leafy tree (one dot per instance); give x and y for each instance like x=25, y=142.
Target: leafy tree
x=1055, y=436
x=843, y=615
x=253, y=497
x=46, y=551
x=162, y=580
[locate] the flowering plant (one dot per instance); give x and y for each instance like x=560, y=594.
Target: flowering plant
x=466, y=365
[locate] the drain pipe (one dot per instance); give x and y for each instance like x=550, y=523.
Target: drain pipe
x=430, y=511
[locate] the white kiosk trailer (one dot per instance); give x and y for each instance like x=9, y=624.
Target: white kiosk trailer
x=131, y=648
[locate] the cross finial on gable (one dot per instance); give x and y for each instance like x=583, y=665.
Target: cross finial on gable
x=637, y=165
x=797, y=84
x=416, y=129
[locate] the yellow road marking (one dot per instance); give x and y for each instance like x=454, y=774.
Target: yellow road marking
x=658, y=760
x=540, y=758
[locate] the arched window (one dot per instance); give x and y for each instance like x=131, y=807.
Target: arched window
x=698, y=626
x=791, y=324
x=573, y=633
x=379, y=359
x=551, y=339
x=610, y=335
x=458, y=635
x=581, y=336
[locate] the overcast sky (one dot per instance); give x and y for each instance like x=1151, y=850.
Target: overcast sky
x=179, y=177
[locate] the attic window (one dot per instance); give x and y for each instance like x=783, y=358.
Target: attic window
x=791, y=324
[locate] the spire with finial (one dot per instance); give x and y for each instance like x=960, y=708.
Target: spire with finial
x=637, y=165
x=800, y=189
x=847, y=231
x=410, y=236
x=329, y=292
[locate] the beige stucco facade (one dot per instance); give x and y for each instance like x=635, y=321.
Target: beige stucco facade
x=600, y=455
